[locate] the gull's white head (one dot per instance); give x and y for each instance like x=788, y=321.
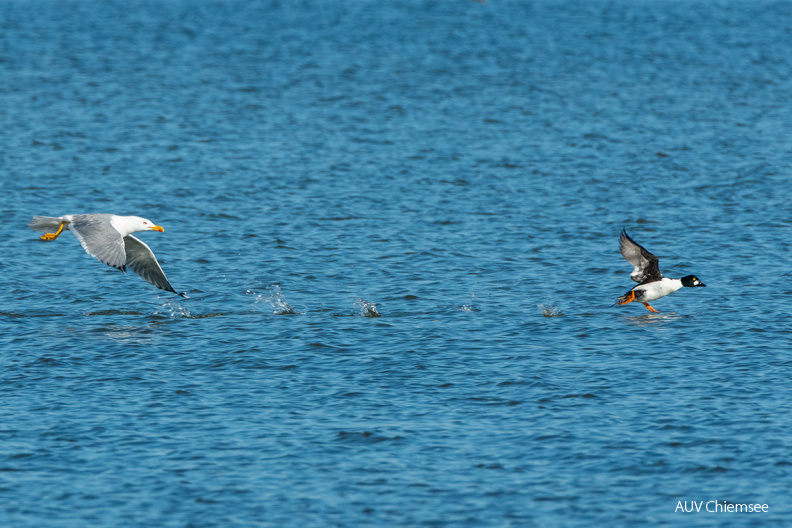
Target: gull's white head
x=146, y=225
x=134, y=224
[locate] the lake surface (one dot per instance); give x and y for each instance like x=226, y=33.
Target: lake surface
x=397, y=224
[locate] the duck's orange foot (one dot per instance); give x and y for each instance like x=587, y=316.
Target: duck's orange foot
x=626, y=298
x=650, y=308
x=56, y=234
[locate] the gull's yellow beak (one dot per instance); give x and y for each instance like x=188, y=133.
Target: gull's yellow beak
x=157, y=228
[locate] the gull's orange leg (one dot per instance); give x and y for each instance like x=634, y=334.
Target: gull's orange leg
x=650, y=308
x=56, y=234
x=631, y=299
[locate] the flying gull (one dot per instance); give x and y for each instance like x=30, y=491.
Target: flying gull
x=109, y=238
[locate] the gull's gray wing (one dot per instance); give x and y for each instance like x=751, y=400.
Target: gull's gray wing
x=646, y=265
x=142, y=261
x=99, y=238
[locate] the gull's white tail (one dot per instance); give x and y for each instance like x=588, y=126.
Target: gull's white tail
x=44, y=223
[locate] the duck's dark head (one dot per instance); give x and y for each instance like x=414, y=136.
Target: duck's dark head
x=691, y=281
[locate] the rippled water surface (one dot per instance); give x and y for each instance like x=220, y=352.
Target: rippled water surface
x=397, y=223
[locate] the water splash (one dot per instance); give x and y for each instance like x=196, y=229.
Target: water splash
x=366, y=308
x=471, y=306
x=550, y=310
x=276, y=299
x=173, y=308
x=655, y=318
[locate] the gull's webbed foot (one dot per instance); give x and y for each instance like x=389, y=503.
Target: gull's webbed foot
x=56, y=234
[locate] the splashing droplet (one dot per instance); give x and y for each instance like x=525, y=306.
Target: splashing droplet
x=471, y=306
x=367, y=309
x=276, y=299
x=550, y=310
x=174, y=309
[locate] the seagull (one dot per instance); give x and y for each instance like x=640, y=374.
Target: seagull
x=109, y=238
x=651, y=283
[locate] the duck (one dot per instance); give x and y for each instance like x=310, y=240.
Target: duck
x=652, y=285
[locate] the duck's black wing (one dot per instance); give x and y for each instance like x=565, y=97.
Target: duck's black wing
x=646, y=264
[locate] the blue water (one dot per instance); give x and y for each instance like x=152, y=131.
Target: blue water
x=397, y=223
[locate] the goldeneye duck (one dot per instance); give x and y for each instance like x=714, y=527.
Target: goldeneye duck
x=651, y=283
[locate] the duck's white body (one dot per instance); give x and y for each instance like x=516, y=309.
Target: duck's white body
x=651, y=291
